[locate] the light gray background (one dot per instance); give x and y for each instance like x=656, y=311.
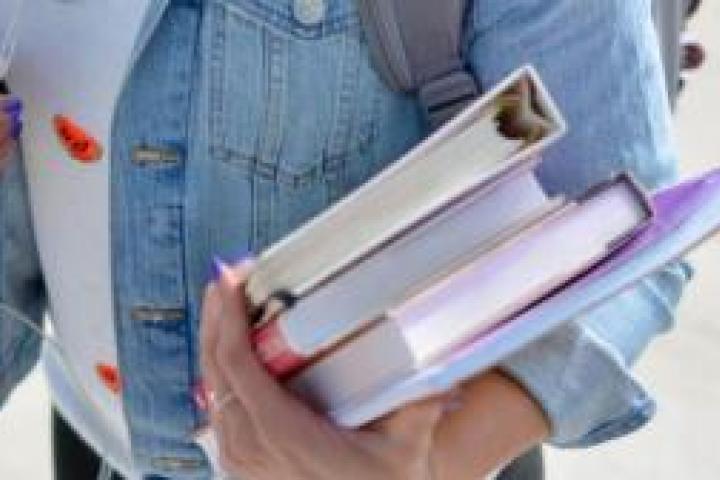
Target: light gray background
x=683, y=369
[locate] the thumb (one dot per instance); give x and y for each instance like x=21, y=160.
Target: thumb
x=230, y=282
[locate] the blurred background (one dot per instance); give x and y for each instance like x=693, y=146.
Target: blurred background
x=682, y=369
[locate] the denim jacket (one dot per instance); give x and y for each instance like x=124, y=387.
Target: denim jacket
x=264, y=112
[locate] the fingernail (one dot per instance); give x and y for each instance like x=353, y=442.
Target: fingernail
x=16, y=129
x=216, y=268
x=12, y=105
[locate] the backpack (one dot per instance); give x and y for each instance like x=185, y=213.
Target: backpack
x=416, y=48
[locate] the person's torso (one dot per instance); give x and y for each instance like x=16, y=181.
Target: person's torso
x=239, y=123
x=240, y=120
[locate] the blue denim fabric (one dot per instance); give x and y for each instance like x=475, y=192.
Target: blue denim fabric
x=239, y=122
x=22, y=291
x=601, y=64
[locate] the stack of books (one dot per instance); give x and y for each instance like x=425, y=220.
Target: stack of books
x=454, y=257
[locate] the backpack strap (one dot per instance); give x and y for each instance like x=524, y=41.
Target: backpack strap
x=415, y=45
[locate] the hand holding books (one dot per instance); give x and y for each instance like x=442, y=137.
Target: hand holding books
x=456, y=257
x=266, y=432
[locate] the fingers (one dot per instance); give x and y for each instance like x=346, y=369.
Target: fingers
x=266, y=429
x=265, y=399
x=236, y=438
x=234, y=351
x=210, y=330
x=277, y=420
x=234, y=319
x=209, y=336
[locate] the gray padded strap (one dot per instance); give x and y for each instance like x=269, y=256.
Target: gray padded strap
x=416, y=48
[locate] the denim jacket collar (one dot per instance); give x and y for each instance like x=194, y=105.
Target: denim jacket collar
x=150, y=22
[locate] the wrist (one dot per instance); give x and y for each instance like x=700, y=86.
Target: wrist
x=496, y=422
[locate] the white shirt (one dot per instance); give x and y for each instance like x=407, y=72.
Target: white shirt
x=71, y=59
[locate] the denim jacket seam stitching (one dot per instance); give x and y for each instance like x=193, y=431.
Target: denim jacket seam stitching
x=216, y=70
x=275, y=121
x=341, y=131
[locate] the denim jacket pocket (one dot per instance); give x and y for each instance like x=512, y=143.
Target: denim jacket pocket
x=292, y=93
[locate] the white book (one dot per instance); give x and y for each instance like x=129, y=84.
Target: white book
x=413, y=261
x=501, y=130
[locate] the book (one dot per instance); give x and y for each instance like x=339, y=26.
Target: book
x=685, y=215
x=502, y=129
x=404, y=267
x=495, y=285
x=433, y=209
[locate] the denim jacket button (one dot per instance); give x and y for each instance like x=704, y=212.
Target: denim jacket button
x=309, y=12
x=145, y=155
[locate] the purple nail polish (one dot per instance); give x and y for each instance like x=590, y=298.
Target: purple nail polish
x=16, y=129
x=13, y=105
x=216, y=268
x=15, y=115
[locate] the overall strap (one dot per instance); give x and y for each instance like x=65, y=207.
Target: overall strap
x=415, y=45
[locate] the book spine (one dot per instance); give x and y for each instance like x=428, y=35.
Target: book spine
x=274, y=352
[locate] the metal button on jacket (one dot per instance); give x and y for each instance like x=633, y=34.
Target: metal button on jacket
x=309, y=12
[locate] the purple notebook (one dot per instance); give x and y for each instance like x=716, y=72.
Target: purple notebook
x=684, y=215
